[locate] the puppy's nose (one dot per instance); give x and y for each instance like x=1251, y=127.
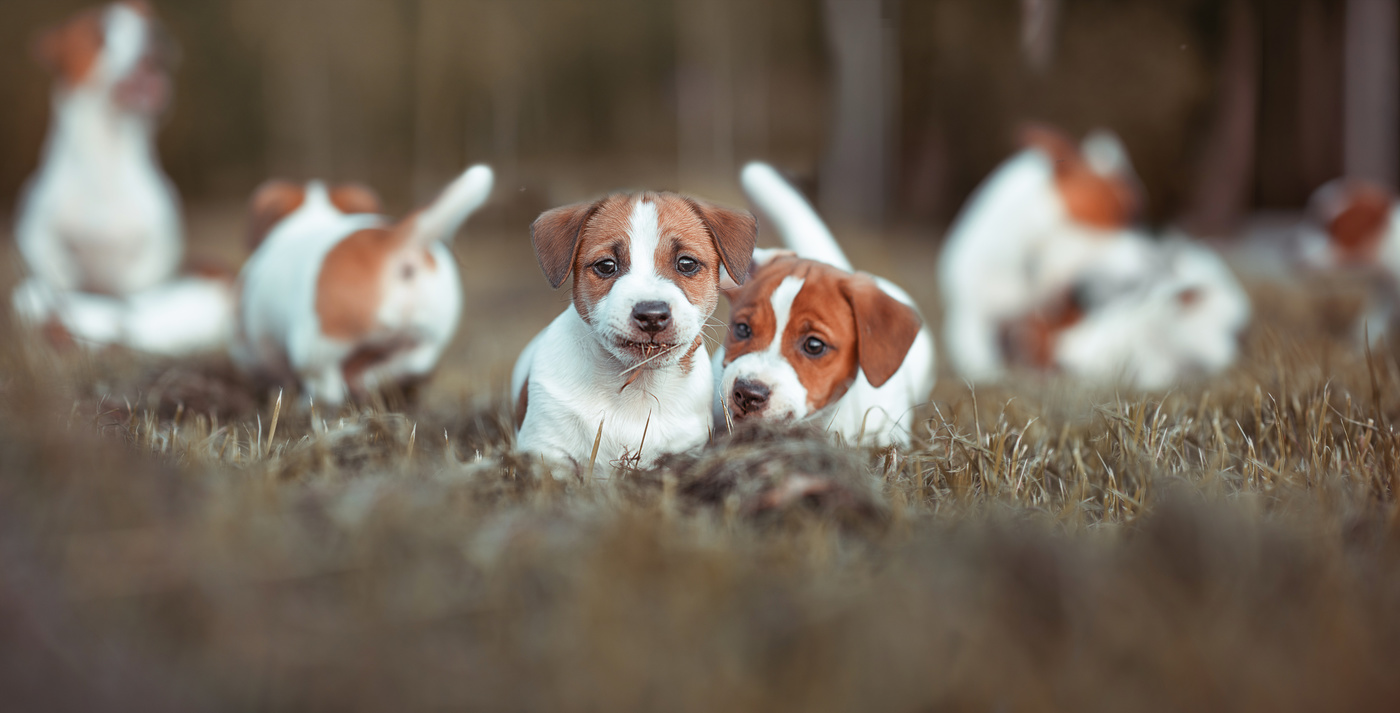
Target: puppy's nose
x=652, y=317
x=750, y=396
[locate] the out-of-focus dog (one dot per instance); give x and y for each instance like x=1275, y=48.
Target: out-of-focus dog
x=810, y=338
x=1354, y=227
x=341, y=300
x=1028, y=233
x=100, y=216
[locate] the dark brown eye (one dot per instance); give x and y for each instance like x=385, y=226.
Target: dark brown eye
x=742, y=331
x=605, y=268
x=407, y=272
x=814, y=346
x=687, y=266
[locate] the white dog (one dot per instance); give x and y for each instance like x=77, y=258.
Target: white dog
x=347, y=302
x=1027, y=234
x=1356, y=227
x=809, y=338
x=100, y=215
x=624, y=366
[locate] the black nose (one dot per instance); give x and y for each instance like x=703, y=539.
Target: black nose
x=750, y=396
x=652, y=317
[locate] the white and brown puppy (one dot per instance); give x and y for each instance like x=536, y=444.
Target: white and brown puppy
x=1026, y=235
x=811, y=339
x=1356, y=227
x=625, y=364
x=100, y=215
x=341, y=300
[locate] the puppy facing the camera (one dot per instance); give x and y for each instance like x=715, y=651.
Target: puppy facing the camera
x=100, y=216
x=809, y=338
x=1356, y=227
x=341, y=300
x=624, y=366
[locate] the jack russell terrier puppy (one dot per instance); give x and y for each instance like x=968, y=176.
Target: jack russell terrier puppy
x=1357, y=227
x=100, y=215
x=1026, y=234
x=1184, y=320
x=624, y=366
x=809, y=338
x=343, y=301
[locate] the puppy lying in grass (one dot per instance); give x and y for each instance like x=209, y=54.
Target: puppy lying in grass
x=809, y=338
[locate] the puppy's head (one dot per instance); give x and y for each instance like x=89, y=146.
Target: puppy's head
x=1095, y=180
x=1355, y=216
x=118, y=48
x=800, y=332
x=646, y=267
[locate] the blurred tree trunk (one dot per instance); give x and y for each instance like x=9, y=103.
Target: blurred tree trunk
x=855, y=172
x=1226, y=169
x=1039, y=21
x=705, y=91
x=1371, y=90
x=1319, y=94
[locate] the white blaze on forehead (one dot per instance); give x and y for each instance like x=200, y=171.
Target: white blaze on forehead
x=644, y=235
x=787, y=396
x=781, y=300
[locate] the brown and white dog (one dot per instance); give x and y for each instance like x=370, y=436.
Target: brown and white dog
x=100, y=215
x=1356, y=226
x=341, y=300
x=809, y=338
x=1027, y=234
x=624, y=366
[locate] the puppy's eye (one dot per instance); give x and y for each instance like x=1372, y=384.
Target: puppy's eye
x=605, y=268
x=407, y=272
x=742, y=331
x=814, y=346
x=688, y=266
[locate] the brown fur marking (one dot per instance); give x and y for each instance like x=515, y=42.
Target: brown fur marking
x=1105, y=202
x=272, y=202
x=1031, y=340
x=1357, y=230
x=350, y=286
x=71, y=49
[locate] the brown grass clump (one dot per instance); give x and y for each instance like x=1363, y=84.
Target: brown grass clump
x=173, y=539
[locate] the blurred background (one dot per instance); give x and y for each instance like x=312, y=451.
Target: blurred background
x=888, y=111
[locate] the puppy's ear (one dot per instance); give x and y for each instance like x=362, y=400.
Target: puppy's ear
x=70, y=50
x=555, y=235
x=271, y=202
x=735, y=233
x=355, y=198
x=1052, y=142
x=885, y=328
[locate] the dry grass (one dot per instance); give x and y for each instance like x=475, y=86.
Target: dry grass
x=171, y=539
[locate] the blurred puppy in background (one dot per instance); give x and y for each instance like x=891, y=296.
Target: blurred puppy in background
x=809, y=338
x=100, y=216
x=1353, y=226
x=340, y=300
x=1027, y=233
x=1183, y=320
x=622, y=375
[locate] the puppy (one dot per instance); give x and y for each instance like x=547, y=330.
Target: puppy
x=811, y=339
x=340, y=300
x=100, y=215
x=1185, y=320
x=1025, y=235
x=188, y=315
x=1355, y=226
x=624, y=365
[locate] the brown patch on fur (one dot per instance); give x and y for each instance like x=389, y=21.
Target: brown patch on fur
x=555, y=235
x=70, y=50
x=1105, y=202
x=355, y=198
x=522, y=403
x=861, y=326
x=1030, y=341
x=735, y=232
x=684, y=233
x=688, y=359
x=1356, y=231
x=350, y=286
x=271, y=203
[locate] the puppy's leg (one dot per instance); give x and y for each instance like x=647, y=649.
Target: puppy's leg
x=326, y=387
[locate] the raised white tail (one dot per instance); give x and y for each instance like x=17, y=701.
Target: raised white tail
x=441, y=219
x=799, y=226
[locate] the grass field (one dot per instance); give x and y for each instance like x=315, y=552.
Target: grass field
x=172, y=539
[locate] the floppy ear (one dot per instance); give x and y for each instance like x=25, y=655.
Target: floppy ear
x=735, y=233
x=70, y=49
x=885, y=328
x=355, y=198
x=555, y=235
x=271, y=202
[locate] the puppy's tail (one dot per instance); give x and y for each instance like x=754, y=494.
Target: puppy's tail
x=441, y=219
x=801, y=229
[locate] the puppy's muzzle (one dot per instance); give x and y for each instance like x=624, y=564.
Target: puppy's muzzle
x=749, y=397
x=652, y=317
